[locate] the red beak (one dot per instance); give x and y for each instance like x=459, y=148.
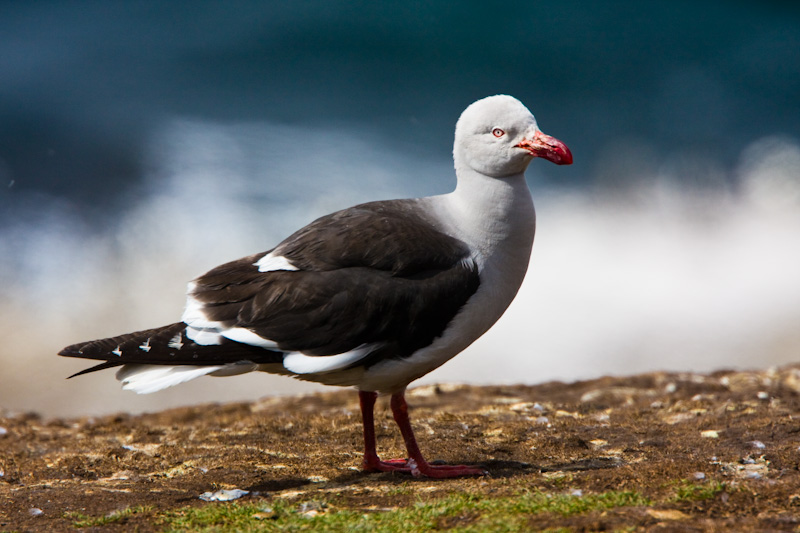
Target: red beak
x=547, y=147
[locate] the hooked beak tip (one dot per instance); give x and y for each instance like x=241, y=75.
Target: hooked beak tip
x=547, y=147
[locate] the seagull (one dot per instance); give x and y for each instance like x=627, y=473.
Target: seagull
x=373, y=297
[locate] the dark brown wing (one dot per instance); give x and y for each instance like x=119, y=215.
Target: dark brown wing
x=373, y=274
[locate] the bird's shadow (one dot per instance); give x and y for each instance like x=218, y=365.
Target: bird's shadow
x=278, y=485
x=511, y=469
x=497, y=469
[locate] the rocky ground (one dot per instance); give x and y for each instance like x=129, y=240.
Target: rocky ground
x=673, y=452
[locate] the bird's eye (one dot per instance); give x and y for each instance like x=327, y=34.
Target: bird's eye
x=497, y=132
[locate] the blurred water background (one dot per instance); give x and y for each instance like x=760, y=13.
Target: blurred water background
x=142, y=143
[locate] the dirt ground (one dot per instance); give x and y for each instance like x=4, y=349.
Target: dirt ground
x=708, y=452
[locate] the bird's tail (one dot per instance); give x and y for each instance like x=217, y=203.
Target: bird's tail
x=164, y=356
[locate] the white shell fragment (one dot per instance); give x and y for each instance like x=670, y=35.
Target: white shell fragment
x=223, y=495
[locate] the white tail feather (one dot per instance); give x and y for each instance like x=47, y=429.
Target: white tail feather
x=144, y=379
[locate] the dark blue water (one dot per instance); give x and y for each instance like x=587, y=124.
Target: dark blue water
x=83, y=85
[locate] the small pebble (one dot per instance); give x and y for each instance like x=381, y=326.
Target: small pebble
x=758, y=445
x=309, y=506
x=3, y=431
x=699, y=476
x=35, y=511
x=710, y=434
x=577, y=493
x=223, y=495
x=670, y=388
x=763, y=395
x=266, y=513
x=311, y=509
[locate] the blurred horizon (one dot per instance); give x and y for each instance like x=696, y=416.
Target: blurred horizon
x=143, y=143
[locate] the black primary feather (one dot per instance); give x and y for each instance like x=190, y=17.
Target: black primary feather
x=167, y=345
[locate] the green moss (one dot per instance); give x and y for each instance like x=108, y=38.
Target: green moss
x=82, y=520
x=459, y=512
x=688, y=491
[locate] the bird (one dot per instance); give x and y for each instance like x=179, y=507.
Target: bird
x=373, y=297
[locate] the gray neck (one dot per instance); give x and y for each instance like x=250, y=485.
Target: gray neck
x=494, y=216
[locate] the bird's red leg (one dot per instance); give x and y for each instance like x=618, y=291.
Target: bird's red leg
x=417, y=464
x=372, y=462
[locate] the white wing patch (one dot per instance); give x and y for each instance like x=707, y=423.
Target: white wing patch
x=194, y=316
x=206, y=332
x=271, y=262
x=245, y=336
x=199, y=328
x=300, y=363
x=203, y=336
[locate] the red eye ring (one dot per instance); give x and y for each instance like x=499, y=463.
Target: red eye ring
x=497, y=132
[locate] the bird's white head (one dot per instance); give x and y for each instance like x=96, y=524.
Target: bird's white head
x=498, y=137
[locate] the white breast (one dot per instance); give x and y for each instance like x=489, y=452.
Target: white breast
x=496, y=219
